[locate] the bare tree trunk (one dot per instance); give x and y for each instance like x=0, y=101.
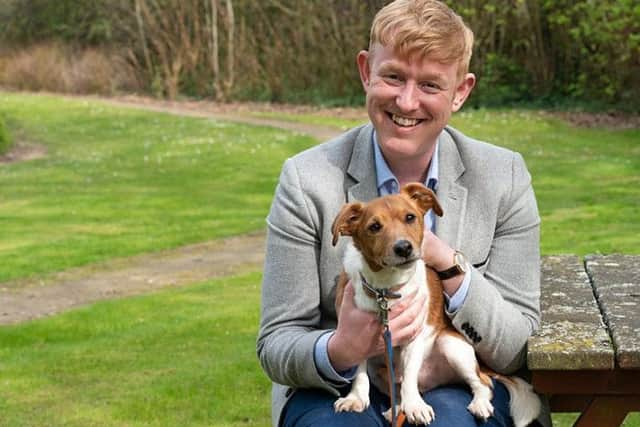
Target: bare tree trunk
x=143, y=41
x=214, y=48
x=230, y=48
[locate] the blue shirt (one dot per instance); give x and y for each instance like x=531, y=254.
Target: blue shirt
x=387, y=183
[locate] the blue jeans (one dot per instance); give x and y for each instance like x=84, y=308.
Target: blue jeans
x=309, y=408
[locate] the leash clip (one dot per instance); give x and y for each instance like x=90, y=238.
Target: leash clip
x=383, y=309
x=382, y=299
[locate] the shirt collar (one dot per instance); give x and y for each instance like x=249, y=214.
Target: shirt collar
x=387, y=183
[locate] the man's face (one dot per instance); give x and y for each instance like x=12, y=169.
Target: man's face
x=410, y=100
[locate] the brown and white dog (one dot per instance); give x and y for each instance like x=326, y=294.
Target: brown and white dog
x=385, y=250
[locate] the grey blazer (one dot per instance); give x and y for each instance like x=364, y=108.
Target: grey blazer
x=490, y=214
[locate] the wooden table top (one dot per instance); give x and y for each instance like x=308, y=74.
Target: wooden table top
x=590, y=314
x=616, y=284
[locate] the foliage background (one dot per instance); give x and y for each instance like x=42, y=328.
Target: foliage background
x=547, y=53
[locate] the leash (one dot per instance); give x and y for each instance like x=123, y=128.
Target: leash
x=382, y=297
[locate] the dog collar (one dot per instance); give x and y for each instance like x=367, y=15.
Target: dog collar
x=381, y=293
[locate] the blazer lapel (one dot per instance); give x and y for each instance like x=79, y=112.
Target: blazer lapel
x=362, y=169
x=451, y=195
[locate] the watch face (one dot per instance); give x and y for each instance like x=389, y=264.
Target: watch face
x=460, y=261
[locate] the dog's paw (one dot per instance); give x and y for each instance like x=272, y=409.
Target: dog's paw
x=418, y=412
x=351, y=404
x=481, y=408
x=387, y=414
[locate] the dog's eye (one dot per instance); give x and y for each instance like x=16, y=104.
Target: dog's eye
x=375, y=227
x=410, y=218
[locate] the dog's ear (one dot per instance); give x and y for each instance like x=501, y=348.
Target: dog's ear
x=346, y=220
x=422, y=196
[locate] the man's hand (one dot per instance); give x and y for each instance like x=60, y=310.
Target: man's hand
x=359, y=333
x=407, y=318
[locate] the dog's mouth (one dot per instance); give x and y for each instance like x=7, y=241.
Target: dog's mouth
x=403, y=263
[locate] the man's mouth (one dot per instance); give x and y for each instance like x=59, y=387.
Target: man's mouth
x=404, y=122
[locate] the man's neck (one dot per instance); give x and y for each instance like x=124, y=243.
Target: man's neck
x=411, y=170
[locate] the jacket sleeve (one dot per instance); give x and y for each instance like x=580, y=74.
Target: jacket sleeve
x=502, y=307
x=290, y=312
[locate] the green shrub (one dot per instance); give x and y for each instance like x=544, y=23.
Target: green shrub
x=5, y=138
x=75, y=21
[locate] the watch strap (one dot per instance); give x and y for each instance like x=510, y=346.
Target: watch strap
x=456, y=269
x=449, y=272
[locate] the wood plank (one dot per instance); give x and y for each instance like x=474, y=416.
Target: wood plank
x=572, y=335
x=588, y=382
x=607, y=411
x=616, y=281
x=569, y=402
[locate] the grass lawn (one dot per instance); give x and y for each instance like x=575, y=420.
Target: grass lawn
x=182, y=357
x=118, y=182
x=316, y=118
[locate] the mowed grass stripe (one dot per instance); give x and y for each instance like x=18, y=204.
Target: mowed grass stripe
x=119, y=182
x=178, y=357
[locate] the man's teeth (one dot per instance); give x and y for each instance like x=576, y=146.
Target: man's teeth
x=404, y=121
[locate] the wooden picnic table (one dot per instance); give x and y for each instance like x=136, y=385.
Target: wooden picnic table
x=586, y=355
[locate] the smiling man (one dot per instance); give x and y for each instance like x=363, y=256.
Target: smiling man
x=485, y=248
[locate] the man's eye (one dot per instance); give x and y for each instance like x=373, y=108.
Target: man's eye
x=410, y=218
x=375, y=227
x=430, y=87
x=392, y=78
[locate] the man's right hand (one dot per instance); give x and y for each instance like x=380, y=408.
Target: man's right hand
x=359, y=333
x=357, y=337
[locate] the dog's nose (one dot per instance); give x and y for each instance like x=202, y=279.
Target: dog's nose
x=403, y=248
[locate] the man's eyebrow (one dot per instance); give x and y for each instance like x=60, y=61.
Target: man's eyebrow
x=390, y=66
x=399, y=67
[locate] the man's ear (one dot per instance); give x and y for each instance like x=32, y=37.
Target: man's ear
x=346, y=221
x=463, y=90
x=363, y=67
x=422, y=196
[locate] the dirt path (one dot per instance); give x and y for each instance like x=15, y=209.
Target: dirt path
x=33, y=299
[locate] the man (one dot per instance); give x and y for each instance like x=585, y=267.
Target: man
x=415, y=75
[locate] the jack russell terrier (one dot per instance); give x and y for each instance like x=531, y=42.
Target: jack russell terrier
x=385, y=253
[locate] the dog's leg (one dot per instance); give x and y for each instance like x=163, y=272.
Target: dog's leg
x=358, y=398
x=413, y=405
x=462, y=358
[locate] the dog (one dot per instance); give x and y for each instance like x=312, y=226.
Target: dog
x=385, y=251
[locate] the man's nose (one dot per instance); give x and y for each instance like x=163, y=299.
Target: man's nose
x=408, y=98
